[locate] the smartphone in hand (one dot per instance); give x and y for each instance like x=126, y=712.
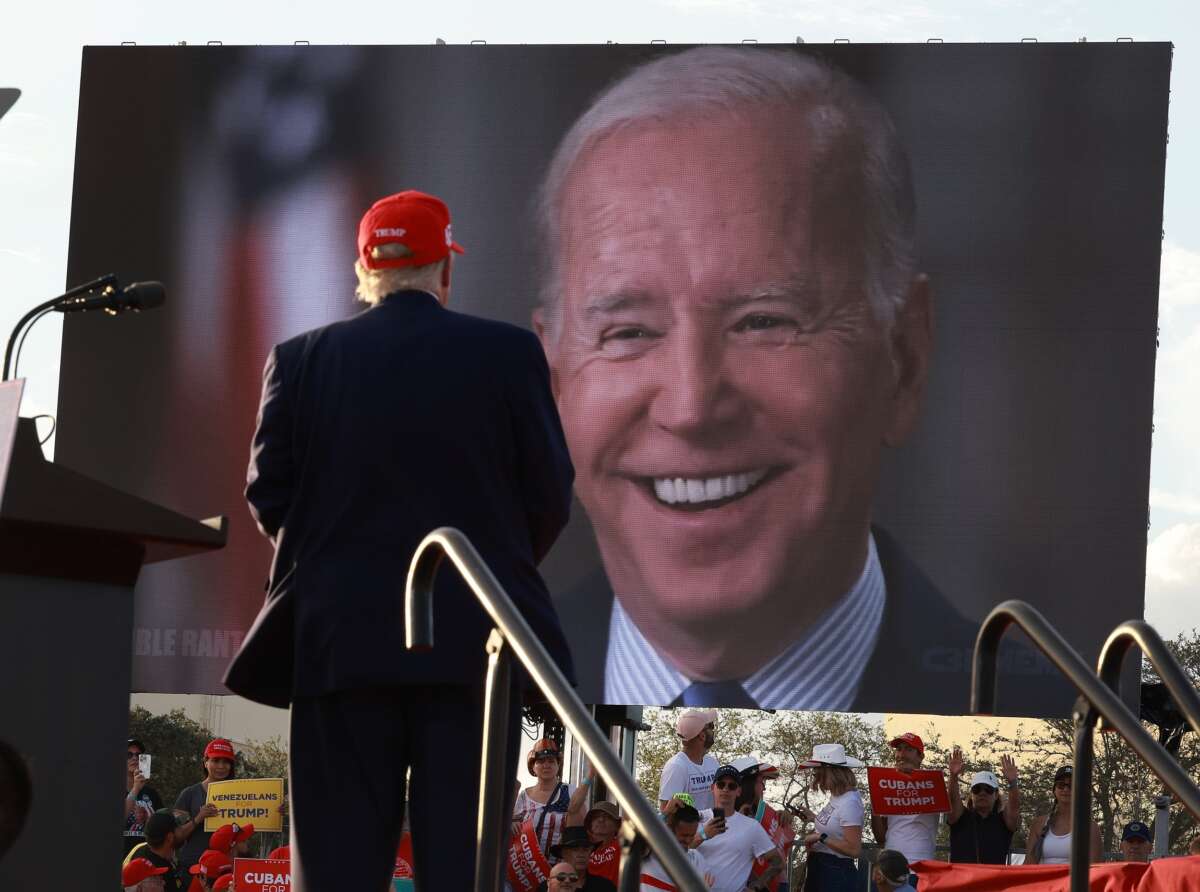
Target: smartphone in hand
x=144, y=765
x=718, y=814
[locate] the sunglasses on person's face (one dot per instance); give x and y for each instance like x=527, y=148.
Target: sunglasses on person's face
x=731, y=785
x=981, y=789
x=1062, y=785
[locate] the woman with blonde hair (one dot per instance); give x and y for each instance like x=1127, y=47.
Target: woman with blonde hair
x=836, y=837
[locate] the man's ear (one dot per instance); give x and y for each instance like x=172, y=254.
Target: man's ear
x=541, y=330
x=912, y=350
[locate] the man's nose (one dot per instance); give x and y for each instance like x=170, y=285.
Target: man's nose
x=694, y=393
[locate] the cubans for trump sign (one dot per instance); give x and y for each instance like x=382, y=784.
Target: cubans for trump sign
x=527, y=865
x=257, y=801
x=907, y=793
x=262, y=875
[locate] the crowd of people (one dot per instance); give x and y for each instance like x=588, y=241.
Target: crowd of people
x=717, y=813
x=168, y=849
x=732, y=836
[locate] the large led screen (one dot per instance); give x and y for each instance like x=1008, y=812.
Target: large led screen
x=849, y=342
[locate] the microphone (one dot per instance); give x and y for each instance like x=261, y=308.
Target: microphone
x=136, y=297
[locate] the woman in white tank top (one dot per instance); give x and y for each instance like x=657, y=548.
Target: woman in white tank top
x=1050, y=835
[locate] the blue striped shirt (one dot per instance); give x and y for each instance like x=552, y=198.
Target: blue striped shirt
x=821, y=670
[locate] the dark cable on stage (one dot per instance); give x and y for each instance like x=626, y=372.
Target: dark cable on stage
x=112, y=299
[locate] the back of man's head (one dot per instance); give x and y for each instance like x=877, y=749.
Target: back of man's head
x=159, y=827
x=892, y=869
x=684, y=814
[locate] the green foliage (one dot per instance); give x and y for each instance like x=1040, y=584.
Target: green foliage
x=177, y=744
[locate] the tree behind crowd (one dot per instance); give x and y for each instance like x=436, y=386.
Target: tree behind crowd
x=1123, y=786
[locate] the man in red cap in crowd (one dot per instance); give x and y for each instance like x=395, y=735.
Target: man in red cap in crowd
x=212, y=864
x=141, y=875
x=372, y=432
x=232, y=840
x=913, y=836
x=192, y=805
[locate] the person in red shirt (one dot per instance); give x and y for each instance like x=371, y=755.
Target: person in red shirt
x=602, y=822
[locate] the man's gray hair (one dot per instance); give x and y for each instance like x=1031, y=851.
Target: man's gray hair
x=842, y=119
x=376, y=284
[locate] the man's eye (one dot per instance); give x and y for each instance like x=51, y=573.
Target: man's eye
x=628, y=333
x=762, y=322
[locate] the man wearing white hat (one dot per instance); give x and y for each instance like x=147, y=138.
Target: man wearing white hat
x=691, y=770
x=981, y=830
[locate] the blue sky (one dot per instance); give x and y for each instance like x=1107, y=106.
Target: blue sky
x=40, y=54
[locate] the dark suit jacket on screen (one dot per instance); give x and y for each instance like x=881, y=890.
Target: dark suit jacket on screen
x=921, y=662
x=372, y=432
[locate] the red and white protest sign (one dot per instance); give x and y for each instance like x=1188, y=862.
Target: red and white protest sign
x=782, y=834
x=907, y=793
x=606, y=861
x=261, y=875
x=404, y=858
x=527, y=866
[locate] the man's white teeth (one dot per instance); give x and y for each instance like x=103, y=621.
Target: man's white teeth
x=694, y=490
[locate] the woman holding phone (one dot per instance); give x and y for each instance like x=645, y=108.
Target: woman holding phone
x=836, y=838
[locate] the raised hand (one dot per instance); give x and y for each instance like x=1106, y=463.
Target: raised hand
x=1009, y=768
x=956, y=763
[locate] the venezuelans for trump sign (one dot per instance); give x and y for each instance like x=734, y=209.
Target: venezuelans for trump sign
x=254, y=801
x=907, y=793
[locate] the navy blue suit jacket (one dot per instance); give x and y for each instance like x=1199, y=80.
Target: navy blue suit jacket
x=372, y=432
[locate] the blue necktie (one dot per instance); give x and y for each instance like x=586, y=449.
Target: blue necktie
x=716, y=693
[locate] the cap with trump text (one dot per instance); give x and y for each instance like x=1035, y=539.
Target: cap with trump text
x=418, y=222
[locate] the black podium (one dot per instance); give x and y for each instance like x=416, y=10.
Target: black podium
x=71, y=549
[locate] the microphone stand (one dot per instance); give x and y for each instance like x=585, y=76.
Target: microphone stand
x=106, y=281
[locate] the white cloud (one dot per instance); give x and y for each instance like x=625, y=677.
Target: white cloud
x=1170, y=501
x=1179, y=281
x=1173, y=579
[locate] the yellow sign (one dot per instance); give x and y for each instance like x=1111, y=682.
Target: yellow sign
x=256, y=801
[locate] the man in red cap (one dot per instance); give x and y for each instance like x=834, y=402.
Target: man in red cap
x=372, y=432
x=913, y=836
x=141, y=875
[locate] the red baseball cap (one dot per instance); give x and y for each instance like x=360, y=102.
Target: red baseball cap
x=210, y=863
x=911, y=739
x=224, y=882
x=220, y=748
x=223, y=838
x=283, y=853
x=138, y=869
x=418, y=221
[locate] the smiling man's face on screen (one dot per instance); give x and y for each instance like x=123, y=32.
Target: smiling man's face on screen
x=724, y=383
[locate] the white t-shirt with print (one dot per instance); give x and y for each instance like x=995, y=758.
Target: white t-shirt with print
x=682, y=775
x=913, y=836
x=731, y=854
x=841, y=812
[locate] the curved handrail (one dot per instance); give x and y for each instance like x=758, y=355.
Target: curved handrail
x=1179, y=686
x=1097, y=701
x=1096, y=692
x=418, y=611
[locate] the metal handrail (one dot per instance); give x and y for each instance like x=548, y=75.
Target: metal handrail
x=511, y=628
x=1096, y=700
x=1179, y=686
